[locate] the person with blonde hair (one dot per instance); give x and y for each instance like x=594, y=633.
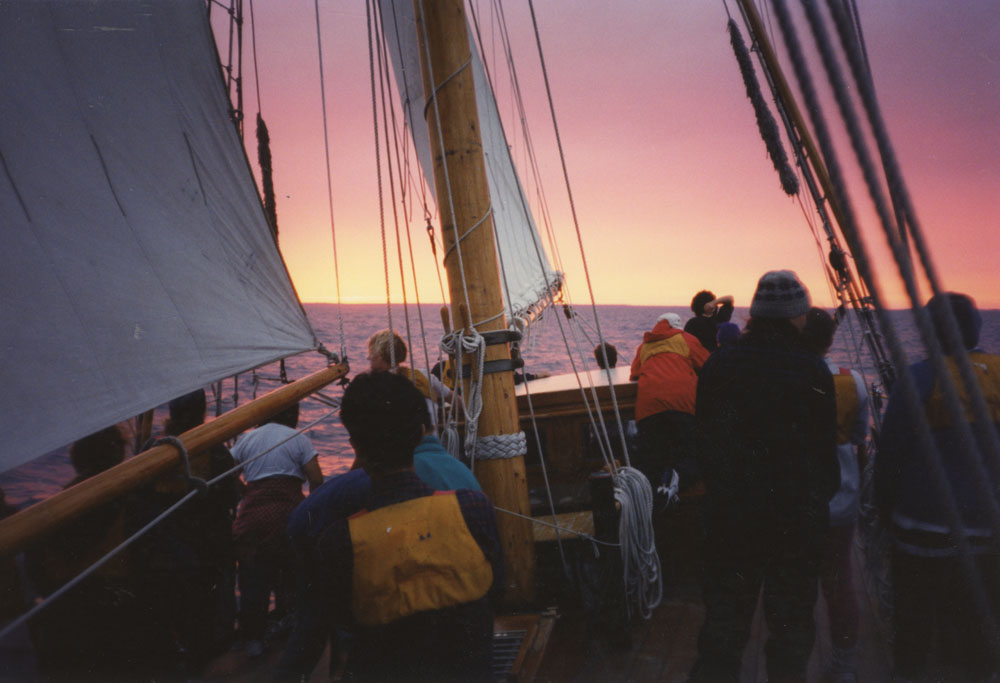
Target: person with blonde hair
x=387, y=352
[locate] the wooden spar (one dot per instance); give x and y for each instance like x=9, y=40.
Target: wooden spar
x=19, y=529
x=504, y=480
x=791, y=106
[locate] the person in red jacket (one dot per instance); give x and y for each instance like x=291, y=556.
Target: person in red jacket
x=666, y=365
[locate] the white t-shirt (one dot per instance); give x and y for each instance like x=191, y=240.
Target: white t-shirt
x=288, y=459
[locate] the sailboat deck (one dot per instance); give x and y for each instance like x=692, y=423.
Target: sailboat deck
x=664, y=647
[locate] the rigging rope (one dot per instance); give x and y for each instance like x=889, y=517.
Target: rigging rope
x=905, y=385
x=329, y=179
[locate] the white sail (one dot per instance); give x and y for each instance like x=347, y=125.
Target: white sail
x=137, y=263
x=529, y=280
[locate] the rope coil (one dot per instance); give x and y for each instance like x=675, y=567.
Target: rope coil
x=642, y=576
x=501, y=446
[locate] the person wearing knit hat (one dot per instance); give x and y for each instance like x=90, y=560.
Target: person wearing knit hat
x=767, y=433
x=933, y=596
x=780, y=294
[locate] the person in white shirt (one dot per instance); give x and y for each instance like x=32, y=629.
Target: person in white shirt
x=277, y=460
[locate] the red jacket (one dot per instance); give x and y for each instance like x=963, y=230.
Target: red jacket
x=667, y=365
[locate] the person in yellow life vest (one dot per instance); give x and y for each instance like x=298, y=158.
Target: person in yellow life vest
x=836, y=567
x=414, y=575
x=666, y=365
x=387, y=351
x=940, y=622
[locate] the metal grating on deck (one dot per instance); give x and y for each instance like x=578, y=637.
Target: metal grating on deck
x=506, y=647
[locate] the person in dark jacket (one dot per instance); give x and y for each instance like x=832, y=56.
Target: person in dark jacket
x=934, y=606
x=767, y=430
x=412, y=577
x=187, y=560
x=709, y=313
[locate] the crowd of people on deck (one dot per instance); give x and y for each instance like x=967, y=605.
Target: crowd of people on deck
x=397, y=565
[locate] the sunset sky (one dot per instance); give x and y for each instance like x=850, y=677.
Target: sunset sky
x=673, y=188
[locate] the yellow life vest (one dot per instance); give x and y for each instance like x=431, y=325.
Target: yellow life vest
x=986, y=368
x=419, y=380
x=415, y=556
x=672, y=344
x=846, y=392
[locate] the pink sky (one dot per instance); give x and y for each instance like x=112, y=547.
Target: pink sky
x=673, y=188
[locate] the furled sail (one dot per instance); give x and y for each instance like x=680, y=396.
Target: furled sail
x=530, y=282
x=137, y=263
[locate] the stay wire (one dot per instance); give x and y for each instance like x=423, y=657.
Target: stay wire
x=901, y=198
x=572, y=204
x=974, y=452
x=905, y=383
x=329, y=179
x=392, y=133
x=378, y=173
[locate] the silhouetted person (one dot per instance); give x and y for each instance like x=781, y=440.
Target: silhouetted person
x=187, y=560
x=766, y=444
x=837, y=568
x=728, y=333
x=338, y=498
x=606, y=350
x=934, y=607
x=95, y=630
x=709, y=313
x=413, y=576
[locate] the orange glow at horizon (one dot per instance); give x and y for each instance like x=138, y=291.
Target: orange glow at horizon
x=671, y=182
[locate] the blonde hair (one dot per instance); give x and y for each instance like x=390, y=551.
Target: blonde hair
x=379, y=343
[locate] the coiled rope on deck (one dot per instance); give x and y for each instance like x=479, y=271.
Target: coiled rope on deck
x=642, y=576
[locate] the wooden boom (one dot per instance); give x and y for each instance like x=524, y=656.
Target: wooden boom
x=18, y=530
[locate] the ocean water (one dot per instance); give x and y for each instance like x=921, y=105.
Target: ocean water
x=543, y=350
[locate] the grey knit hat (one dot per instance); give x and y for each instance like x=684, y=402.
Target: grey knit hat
x=780, y=294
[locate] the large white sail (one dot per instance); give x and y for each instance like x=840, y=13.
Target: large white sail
x=530, y=281
x=136, y=263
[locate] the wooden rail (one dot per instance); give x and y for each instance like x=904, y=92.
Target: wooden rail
x=18, y=530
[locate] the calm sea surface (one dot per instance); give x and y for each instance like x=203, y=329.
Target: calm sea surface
x=544, y=350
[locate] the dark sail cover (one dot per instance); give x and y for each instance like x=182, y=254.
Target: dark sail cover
x=136, y=261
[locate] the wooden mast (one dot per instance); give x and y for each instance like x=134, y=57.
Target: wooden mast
x=19, y=529
x=468, y=201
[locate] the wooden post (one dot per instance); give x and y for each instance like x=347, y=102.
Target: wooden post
x=17, y=530
x=464, y=195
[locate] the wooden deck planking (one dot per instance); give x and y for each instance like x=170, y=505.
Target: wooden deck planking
x=664, y=648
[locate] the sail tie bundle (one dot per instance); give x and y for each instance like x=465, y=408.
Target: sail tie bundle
x=765, y=120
